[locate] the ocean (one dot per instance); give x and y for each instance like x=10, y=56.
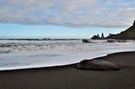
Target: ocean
x=24, y=54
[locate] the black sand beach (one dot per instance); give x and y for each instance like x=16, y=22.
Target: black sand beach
x=69, y=77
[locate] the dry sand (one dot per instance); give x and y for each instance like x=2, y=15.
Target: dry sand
x=69, y=77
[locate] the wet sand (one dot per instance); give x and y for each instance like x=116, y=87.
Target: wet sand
x=69, y=77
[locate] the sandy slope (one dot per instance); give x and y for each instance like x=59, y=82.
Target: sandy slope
x=69, y=77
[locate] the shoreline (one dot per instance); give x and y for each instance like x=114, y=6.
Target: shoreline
x=69, y=77
x=59, y=65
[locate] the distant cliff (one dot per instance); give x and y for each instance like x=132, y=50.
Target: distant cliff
x=127, y=34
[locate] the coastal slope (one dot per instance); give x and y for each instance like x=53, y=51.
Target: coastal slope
x=127, y=34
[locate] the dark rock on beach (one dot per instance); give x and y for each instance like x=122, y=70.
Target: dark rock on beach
x=97, y=64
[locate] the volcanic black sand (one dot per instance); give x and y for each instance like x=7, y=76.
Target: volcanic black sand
x=69, y=77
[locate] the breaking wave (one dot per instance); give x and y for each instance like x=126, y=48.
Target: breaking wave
x=13, y=46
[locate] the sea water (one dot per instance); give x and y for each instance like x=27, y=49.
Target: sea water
x=22, y=54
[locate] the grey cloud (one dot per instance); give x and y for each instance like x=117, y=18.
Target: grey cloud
x=75, y=13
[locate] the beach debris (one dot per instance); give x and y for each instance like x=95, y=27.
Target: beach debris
x=97, y=64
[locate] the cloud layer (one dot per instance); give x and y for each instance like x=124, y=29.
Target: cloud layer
x=75, y=13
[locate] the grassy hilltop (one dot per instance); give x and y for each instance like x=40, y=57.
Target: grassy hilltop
x=127, y=34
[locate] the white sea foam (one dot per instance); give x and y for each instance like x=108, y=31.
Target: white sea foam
x=9, y=46
x=20, y=54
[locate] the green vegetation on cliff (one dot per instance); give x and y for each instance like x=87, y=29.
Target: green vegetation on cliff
x=127, y=34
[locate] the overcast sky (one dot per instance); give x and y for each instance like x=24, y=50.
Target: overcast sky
x=65, y=18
